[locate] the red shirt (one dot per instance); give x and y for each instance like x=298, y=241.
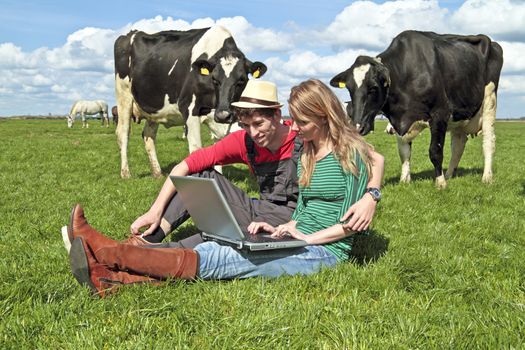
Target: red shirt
x=232, y=149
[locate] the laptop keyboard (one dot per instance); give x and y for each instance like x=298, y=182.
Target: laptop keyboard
x=263, y=238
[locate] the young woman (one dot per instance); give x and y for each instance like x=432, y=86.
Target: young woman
x=334, y=170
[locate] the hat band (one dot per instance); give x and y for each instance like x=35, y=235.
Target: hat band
x=257, y=101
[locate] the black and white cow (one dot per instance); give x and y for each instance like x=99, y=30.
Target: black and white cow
x=424, y=79
x=178, y=78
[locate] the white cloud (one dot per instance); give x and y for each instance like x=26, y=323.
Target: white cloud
x=10, y=55
x=503, y=19
x=368, y=24
x=157, y=24
x=58, y=88
x=40, y=80
x=513, y=84
x=307, y=64
x=513, y=61
x=250, y=38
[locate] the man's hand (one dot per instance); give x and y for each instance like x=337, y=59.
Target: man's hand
x=150, y=220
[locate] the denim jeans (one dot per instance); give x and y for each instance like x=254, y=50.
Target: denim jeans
x=219, y=261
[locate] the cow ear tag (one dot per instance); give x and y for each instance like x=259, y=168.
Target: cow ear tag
x=205, y=71
x=342, y=84
x=256, y=74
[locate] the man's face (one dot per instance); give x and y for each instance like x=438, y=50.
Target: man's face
x=262, y=129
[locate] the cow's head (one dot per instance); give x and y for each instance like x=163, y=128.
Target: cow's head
x=367, y=81
x=225, y=77
x=70, y=120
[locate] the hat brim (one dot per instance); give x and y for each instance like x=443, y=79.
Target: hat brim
x=242, y=104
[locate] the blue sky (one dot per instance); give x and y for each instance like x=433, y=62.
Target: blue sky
x=53, y=52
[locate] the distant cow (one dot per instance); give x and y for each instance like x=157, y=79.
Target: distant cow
x=85, y=107
x=178, y=78
x=114, y=113
x=424, y=79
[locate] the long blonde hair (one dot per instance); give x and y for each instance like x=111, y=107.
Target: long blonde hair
x=312, y=100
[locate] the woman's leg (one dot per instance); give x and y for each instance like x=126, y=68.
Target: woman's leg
x=224, y=262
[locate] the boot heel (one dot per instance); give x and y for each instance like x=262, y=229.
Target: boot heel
x=79, y=264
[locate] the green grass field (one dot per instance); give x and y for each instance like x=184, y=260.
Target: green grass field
x=441, y=269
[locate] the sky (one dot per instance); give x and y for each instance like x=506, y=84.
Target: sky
x=55, y=52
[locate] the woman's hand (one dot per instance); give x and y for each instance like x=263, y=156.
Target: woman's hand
x=255, y=227
x=289, y=230
x=361, y=213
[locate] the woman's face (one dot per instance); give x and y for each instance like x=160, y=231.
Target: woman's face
x=308, y=129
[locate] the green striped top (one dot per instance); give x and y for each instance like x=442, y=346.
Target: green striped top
x=330, y=194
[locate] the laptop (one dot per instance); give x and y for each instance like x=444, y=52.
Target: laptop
x=212, y=215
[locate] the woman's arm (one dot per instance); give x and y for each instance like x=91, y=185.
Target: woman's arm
x=362, y=212
x=327, y=235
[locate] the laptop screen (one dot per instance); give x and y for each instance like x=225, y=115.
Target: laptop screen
x=207, y=206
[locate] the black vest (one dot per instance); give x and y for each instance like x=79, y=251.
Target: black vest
x=278, y=179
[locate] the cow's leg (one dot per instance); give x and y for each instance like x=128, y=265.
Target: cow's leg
x=405, y=151
x=184, y=132
x=489, y=136
x=122, y=132
x=457, y=146
x=106, y=118
x=149, y=134
x=438, y=130
x=124, y=107
x=193, y=127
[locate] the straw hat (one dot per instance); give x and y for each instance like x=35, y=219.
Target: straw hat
x=258, y=94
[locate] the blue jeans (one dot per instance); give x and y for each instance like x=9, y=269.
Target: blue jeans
x=224, y=262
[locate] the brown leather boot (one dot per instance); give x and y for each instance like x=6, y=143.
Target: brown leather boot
x=160, y=263
x=101, y=280
x=136, y=240
x=79, y=227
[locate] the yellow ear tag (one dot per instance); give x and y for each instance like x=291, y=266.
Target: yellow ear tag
x=256, y=74
x=205, y=71
x=342, y=85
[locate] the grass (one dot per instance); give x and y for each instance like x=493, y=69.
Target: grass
x=441, y=269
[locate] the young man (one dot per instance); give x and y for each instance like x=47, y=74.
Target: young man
x=265, y=143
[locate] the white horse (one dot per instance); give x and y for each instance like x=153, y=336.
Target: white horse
x=85, y=107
